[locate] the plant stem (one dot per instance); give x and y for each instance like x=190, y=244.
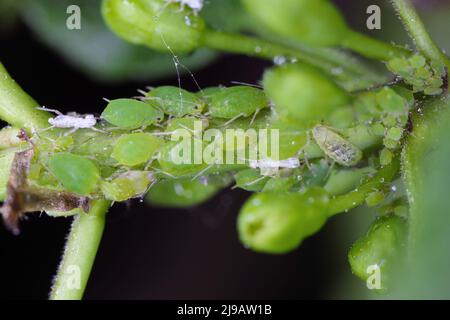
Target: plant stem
x=328, y=60
x=17, y=107
x=79, y=255
x=355, y=198
x=373, y=48
x=417, y=31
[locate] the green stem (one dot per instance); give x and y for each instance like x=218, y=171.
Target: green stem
x=17, y=107
x=418, y=32
x=357, y=197
x=328, y=61
x=373, y=48
x=79, y=255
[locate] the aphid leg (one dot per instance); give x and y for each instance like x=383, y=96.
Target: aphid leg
x=98, y=130
x=164, y=173
x=254, y=116
x=232, y=120
x=151, y=184
x=255, y=181
x=71, y=131
x=202, y=172
x=330, y=170
x=106, y=99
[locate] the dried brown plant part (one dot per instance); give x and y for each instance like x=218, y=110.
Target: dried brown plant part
x=22, y=198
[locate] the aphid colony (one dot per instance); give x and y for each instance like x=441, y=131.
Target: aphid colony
x=130, y=148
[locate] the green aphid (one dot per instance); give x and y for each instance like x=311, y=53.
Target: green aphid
x=207, y=93
x=391, y=101
x=191, y=124
x=280, y=184
x=76, y=173
x=239, y=101
x=336, y=147
x=136, y=148
x=128, y=185
x=175, y=101
x=132, y=114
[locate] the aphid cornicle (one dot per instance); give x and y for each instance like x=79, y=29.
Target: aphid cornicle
x=336, y=147
x=131, y=114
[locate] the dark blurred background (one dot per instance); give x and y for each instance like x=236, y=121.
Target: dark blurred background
x=154, y=253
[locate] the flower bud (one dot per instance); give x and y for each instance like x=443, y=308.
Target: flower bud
x=277, y=223
x=182, y=193
x=380, y=249
x=157, y=24
x=303, y=94
x=315, y=22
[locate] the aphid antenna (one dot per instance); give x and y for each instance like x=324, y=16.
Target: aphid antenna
x=43, y=108
x=163, y=172
x=106, y=99
x=247, y=84
x=178, y=64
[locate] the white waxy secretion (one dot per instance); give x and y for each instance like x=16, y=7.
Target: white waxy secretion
x=270, y=167
x=196, y=5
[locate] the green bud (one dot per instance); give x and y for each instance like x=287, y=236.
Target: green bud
x=154, y=23
x=277, y=223
x=303, y=94
x=315, y=22
x=182, y=193
x=425, y=76
x=382, y=247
